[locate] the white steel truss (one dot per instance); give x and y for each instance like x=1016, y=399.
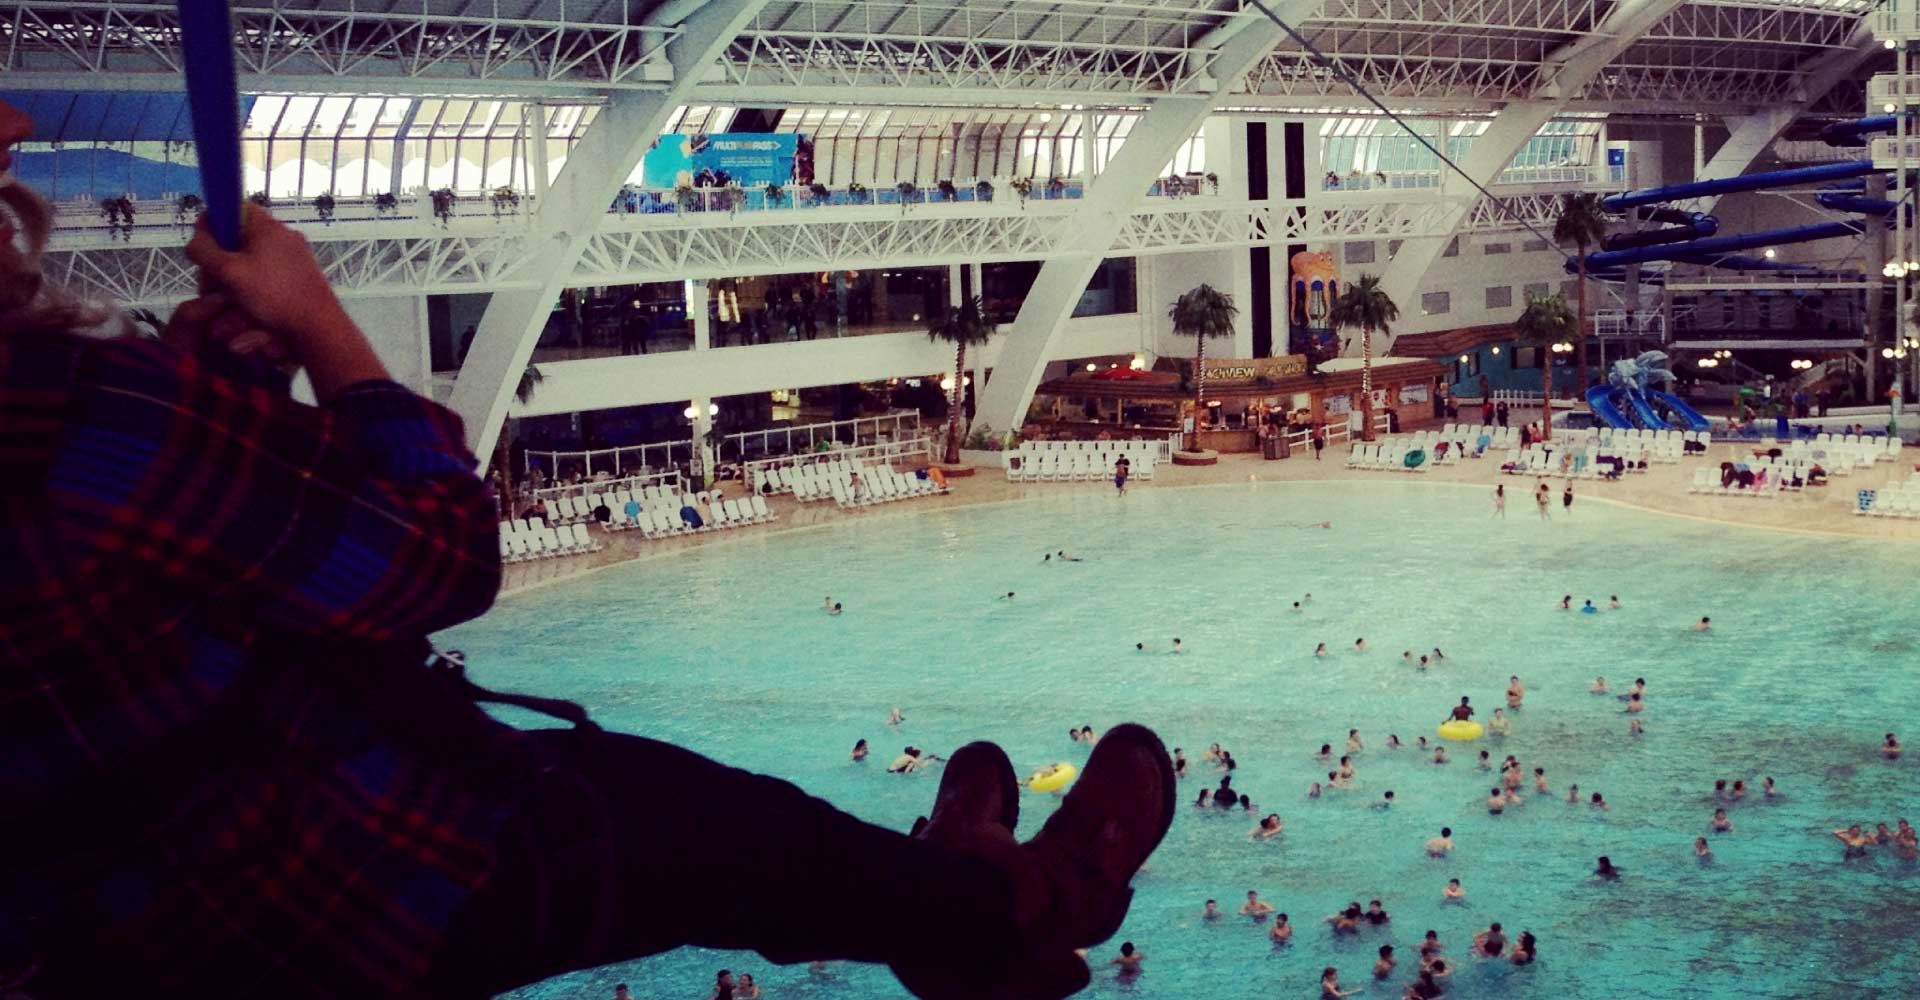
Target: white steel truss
x=403, y=47
x=375, y=260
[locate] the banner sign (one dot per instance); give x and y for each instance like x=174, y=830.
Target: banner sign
x=749, y=159
x=1249, y=369
x=1414, y=392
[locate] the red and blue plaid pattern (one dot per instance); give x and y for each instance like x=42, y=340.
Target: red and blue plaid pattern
x=163, y=526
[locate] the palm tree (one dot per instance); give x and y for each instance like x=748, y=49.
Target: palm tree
x=1204, y=311
x=1366, y=307
x=1543, y=323
x=961, y=325
x=1582, y=223
x=529, y=380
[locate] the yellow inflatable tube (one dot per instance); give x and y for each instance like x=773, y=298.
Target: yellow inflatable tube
x=1461, y=730
x=1052, y=778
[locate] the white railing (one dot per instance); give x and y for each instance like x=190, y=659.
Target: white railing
x=1621, y=323
x=897, y=426
x=582, y=489
x=1339, y=432
x=754, y=472
x=637, y=459
x=1164, y=446
x=85, y=213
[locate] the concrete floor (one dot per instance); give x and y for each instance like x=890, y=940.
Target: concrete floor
x=1662, y=489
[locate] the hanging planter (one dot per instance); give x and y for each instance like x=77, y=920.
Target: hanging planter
x=443, y=201
x=983, y=191
x=1173, y=186
x=857, y=193
x=119, y=215
x=1056, y=187
x=385, y=203
x=775, y=193
x=732, y=197
x=506, y=201
x=261, y=198
x=685, y=198
x=819, y=193
x=906, y=191
x=187, y=207
x=1023, y=186
x=323, y=205
x=1213, y=183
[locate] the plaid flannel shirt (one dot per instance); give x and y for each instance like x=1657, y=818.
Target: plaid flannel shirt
x=161, y=522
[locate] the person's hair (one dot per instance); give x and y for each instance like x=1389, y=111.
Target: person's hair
x=1385, y=950
x=1389, y=793
x=1252, y=891
x=723, y=972
x=1453, y=881
x=28, y=302
x=1606, y=862
x=619, y=986
x=1596, y=796
x=859, y=743
x=1493, y=791
x=1446, y=831
x=1495, y=927
x=1373, y=902
x=1126, y=947
x=1214, y=901
x=1328, y=971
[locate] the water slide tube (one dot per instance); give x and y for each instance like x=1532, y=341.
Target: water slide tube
x=1680, y=408
x=1679, y=226
x=1600, y=399
x=1745, y=182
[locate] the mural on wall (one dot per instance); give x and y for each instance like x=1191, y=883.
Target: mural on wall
x=1315, y=284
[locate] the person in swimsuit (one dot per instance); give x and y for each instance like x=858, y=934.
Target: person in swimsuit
x=1516, y=692
x=1211, y=911
x=1440, y=755
x=1453, y=893
x=1721, y=824
x=1604, y=868
x=1500, y=501
x=1360, y=645
x=1856, y=842
x=1523, y=950
x=1383, y=968
x=1704, y=625
x=1313, y=790
x=1255, y=907
x=1129, y=960
x=1540, y=780
x=1767, y=789
x=1438, y=655
x=860, y=750
x=1598, y=802
x=1498, y=725
x=1353, y=741
x=1891, y=748
x=1491, y=942
x=1566, y=603
x=1282, y=930
x=1613, y=603
x=1330, y=985
x=1375, y=915
x=1438, y=847
x=1268, y=829
x=1702, y=851
x=1573, y=795
x=1179, y=763
x=1599, y=686
x=1462, y=712
x=1496, y=802
x=1320, y=651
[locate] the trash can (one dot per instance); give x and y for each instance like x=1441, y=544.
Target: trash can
x=1275, y=446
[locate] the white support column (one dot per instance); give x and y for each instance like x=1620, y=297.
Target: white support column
x=1109, y=200
x=1089, y=146
x=701, y=316
x=534, y=115
x=1566, y=73
x=567, y=217
x=702, y=452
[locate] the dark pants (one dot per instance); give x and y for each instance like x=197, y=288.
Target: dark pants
x=628, y=847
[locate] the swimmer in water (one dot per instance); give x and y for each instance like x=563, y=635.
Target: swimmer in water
x=1573, y=795
x=1383, y=968
x=1490, y=942
x=1347, y=921
x=1453, y=893
x=1386, y=800
x=894, y=717
x=1721, y=824
x=1177, y=648
x=1566, y=603
x=1325, y=754
x=1438, y=655
x=1407, y=657
x=1129, y=960
x=1598, y=802
x=1179, y=763
x=1282, y=931
x=1393, y=741
x=1330, y=985
x=1346, y=769
x=1906, y=843
x=1296, y=606
x=1086, y=735
x=1462, y=712
x=1739, y=791
x=1613, y=603
x=1891, y=748
x=1767, y=789
x=1605, y=869
x=1516, y=692
x=1255, y=907
x=1523, y=949
x=1212, y=911
x=1313, y=790
x=1498, y=725
x=1063, y=557
x=826, y=603
x=1540, y=780
x=1422, y=665
x=1704, y=625
x=1320, y=651
x=1306, y=599
x=1336, y=780
x=1205, y=799
x=1353, y=741
x=1420, y=743
x=1141, y=647
x=1635, y=703
x=834, y=610
x=1438, y=847
x=1008, y=597
x=1269, y=828
x=1496, y=802
x=1500, y=501
x=860, y=750
x=1599, y=686
x=1360, y=645
x=1855, y=840
x=1213, y=754
x=1588, y=608
x=1485, y=761
x=1439, y=755
x=1702, y=851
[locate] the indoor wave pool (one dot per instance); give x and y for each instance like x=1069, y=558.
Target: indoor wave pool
x=1810, y=661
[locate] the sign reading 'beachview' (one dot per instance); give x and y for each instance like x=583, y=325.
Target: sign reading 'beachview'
x=1250, y=369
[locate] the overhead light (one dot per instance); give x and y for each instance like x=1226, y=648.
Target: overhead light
x=1139, y=363
x=1886, y=352
x=1769, y=253
x=1496, y=352
x=1888, y=107
x=1464, y=359
x=1890, y=43
x=1092, y=367
x=1113, y=364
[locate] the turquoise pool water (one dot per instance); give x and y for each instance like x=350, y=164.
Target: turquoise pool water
x=1811, y=660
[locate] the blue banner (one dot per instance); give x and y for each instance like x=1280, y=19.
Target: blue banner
x=749, y=159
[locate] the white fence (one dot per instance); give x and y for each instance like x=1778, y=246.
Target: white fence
x=1337, y=433
x=903, y=425
x=635, y=483
x=755, y=472
x=639, y=459
x=1165, y=446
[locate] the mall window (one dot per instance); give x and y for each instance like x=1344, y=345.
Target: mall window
x=1453, y=248
x=1435, y=303
x=1500, y=297
x=1494, y=249
x=1533, y=246
x=1536, y=290
x=1358, y=253
x=1526, y=357
x=1111, y=291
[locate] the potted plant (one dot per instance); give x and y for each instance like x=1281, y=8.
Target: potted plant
x=857, y=193
x=1213, y=182
x=1056, y=187
x=685, y=198
x=443, y=200
x=186, y=207
x=774, y=193
x=386, y=203
x=906, y=191
x=505, y=200
x=1202, y=312
x=962, y=325
x=732, y=197
x=1023, y=186
x=983, y=191
x=261, y=198
x=323, y=206
x=947, y=191
x=1366, y=307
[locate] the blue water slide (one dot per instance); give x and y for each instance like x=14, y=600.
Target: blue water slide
x=1600, y=399
x=1681, y=409
x=1648, y=419
x=1855, y=132
x=1704, y=251
x=1745, y=182
x=1678, y=226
